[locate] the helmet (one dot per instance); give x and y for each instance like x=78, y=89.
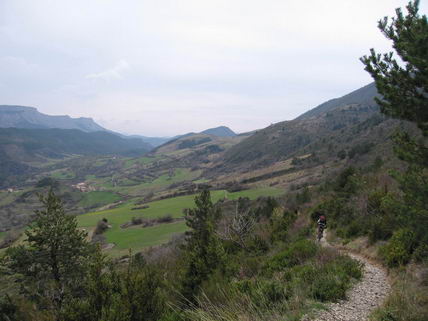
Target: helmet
x=322, y=218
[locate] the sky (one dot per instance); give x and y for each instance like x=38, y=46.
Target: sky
x=168, y=67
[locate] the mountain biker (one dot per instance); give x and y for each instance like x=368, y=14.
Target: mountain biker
x=322, y=224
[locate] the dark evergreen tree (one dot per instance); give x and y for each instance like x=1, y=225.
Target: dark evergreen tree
x=52, y=262
x=203, y=250
x=403, y=85
x=111, y=294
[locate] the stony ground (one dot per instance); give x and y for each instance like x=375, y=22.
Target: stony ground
x=362, y=299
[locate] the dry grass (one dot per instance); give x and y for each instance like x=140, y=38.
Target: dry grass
x=245, y=309
x=408, y=300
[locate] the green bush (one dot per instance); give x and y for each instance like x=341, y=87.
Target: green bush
x=421, y=253
x=329, y=288
x=280, y=222
x=353, y=229
x=334, y=279
x=296, y=253
x=347, y=181
x=308, y=273
x=258, y=245
x=398, y=250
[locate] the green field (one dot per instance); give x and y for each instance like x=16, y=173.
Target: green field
x=137, y=238
x=134, y=188
x=63, y=174
x=98, y=198
x=180, y=174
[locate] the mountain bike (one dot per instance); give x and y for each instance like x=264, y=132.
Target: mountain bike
x=320, y=233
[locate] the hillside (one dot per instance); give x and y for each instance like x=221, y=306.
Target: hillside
x=30, y=117
x=363, y=96
x=286, y=139
x=21, y=148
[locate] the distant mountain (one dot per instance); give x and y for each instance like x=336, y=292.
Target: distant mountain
x=21, y=147
x=154, y=141
x=30, y=117
x=23, y=143
x=221, y=131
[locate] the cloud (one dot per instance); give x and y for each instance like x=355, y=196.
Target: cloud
x=112, y=73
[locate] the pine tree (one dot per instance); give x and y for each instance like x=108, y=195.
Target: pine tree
x=403, y=85
x=203, y=249
x=53, y=260
x=404, y=89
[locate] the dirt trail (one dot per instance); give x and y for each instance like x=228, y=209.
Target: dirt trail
x=362, y=299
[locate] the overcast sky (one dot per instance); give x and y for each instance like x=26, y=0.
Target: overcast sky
x=164, y=67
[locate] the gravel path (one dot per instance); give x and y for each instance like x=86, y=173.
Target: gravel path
x=362, y=299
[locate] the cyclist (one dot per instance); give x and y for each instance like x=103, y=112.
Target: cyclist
x=322, y=224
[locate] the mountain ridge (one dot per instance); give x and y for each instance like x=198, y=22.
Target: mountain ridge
x=284, y=139
x=15, y=116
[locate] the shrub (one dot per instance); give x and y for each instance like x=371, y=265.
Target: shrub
x=102, y=226
x=341, y=154
x=304, y=196
x=47, y=182
x=296, y=253
x=398, y=250
x=360, y=149
x=257, y=245
x=347, y=182
x=136, y=221
x=354, y=229
x=334, y=279
x=329, y=288
x=421, y=253
x=165, y=219
x=280, y=221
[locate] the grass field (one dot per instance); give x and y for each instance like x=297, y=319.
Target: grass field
x=63, y=174
x=134, y=188
x=98, y=198
x=180, y=174
x=138, y=238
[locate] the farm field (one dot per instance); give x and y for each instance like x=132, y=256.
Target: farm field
x=63, y=174
x=137, y=238
x=98, y=198
x=131, y=187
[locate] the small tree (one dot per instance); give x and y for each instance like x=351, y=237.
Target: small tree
x=241, y=225
x=203, y=249
x=53, y=260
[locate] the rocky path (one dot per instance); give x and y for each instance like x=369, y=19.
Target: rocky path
x=363, y=298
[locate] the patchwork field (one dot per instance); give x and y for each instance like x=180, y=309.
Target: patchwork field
x=98, y=198
x=137, y=238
